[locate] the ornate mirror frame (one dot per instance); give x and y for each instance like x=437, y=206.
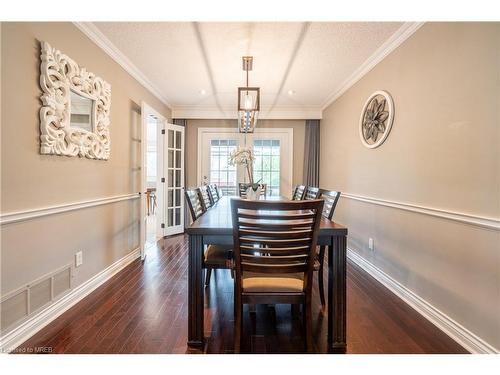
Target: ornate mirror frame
x=59, y=75
x=376, y=119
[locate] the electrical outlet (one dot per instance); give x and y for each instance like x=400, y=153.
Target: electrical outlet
x=79, y=259
x=370, y=243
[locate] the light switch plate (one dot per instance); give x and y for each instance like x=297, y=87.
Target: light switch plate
x=370, y=243
x=79, y=259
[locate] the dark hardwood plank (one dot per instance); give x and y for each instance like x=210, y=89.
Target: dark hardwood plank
x=143, y=309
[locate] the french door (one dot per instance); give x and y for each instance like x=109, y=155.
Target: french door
x=169, y=176
x=173, y=180
x=273, y=158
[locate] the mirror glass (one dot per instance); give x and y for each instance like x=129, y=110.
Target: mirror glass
x=82, y=112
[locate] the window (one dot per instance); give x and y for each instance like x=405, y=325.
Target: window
x=267, y=164
x=221, y=173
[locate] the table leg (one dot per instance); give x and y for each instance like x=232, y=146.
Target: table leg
x=337, y=280
x=195, y=291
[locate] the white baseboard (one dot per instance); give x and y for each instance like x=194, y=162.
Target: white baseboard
x=24, y=331
x=457, y=332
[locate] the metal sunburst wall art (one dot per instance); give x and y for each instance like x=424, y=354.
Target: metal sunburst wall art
x=376, y=119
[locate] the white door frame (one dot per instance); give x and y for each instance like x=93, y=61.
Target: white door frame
x=178, y=228
x=285, y=133
x=146, y=111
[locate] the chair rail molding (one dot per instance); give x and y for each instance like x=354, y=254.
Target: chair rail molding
x=14, y=217
x=453, y=329
x=475, y=220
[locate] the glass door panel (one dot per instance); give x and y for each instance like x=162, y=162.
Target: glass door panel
x=214, y=150
x=175, y=179
x=221, y=173
x=267, y=164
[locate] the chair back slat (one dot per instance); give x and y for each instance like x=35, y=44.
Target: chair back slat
x=274, y=268
x=205, y=196
x=272, y=216
x=212, y=190
x=279, y=251
x=277, y=243
x=195, y=204
x=298, y=192
x=311, y=193
x=284, y=244
x=331, y=198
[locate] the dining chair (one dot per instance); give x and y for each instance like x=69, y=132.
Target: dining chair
x=330, y=198
x=298, y=192
x=215, y=256
x=311, y=193
x=287, y=233
x=242, y=189
x=151, y=200
x=205, y=197
x=212, y=190
x=219, y=191
x=195, y=203
x=263, y=190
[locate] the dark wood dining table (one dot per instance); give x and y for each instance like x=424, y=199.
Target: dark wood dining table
x=215, y=227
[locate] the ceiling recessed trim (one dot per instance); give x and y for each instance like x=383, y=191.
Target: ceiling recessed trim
x=403, y=33
x=277, y=113
x=95, y=35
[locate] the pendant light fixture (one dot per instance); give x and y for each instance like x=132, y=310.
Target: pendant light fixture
x=248, y=101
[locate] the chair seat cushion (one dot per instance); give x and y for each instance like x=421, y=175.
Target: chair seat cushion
x=268, y=282
x=218, y=255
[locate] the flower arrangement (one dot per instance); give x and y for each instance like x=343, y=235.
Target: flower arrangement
x=244, y=156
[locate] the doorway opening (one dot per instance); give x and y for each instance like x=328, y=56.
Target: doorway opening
x=162, y=178
x=154, y=204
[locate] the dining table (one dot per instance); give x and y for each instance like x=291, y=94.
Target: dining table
x=215, y=227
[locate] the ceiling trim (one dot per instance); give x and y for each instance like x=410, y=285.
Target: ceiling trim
x=277, y=113
x=403, y=33
x=95, y=35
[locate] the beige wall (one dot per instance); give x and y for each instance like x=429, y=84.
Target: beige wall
x=443, y=152
x=298, y=127
x=32, y=248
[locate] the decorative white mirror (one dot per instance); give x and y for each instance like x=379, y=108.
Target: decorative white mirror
x=74, y=117
x=82, y=112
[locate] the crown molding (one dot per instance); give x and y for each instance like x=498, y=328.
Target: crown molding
x=403, y=33
x=197, y=112
x=95, y=35
x=229, y=113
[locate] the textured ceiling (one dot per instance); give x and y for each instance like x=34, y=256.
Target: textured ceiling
x=311, y=59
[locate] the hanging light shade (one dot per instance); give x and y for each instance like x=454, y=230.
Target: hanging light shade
x=248, y=102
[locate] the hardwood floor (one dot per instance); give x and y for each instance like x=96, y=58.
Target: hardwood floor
x=143, y=309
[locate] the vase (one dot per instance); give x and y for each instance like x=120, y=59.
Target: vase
x=253, y=195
